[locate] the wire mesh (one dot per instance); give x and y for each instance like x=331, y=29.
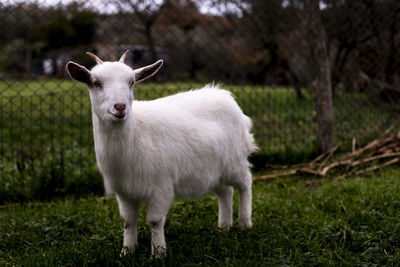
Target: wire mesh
x=259, y=50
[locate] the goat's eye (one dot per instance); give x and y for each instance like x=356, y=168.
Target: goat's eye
x=96, y=84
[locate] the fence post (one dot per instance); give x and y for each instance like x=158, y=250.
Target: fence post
x=323, y=87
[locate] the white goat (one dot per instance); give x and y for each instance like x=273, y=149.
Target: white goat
x=177, y=146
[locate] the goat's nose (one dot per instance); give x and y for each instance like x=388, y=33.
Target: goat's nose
x=120, y=107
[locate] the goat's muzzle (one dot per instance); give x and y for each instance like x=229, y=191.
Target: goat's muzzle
x=119, y=111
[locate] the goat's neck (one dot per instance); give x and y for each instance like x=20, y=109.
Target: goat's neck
x=113, y=131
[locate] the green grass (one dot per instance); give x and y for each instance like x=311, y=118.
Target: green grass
x=352, y=222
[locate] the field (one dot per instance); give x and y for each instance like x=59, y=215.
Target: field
x=47, y=163
x=352, y=222
x=46, y=143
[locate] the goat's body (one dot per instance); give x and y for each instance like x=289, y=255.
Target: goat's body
x=178, y=146
x=188, y=144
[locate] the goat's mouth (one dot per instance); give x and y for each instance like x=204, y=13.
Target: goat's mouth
x=118, y=115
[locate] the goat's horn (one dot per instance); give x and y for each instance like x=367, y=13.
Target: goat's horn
x=98, y=60
x=122, y=59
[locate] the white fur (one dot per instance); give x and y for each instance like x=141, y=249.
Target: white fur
x=182, y=145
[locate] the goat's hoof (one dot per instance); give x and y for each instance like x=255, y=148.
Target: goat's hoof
x=245, y=224
x=159, y=252
x=125, y=251
x=225, y=226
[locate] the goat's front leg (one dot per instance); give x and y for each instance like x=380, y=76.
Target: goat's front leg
x=157, y=210
x=129, y=212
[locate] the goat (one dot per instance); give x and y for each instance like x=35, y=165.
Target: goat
x=182, y=145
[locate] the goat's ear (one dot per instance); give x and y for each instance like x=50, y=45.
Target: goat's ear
x=78, y=72
x=148, y=71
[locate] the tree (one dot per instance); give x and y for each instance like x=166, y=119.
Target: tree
x=272, y=34
x=17, y=46
x=66, y=27
x=362, y=39
x=147, y=13
x=184, y=16
x=323, y=87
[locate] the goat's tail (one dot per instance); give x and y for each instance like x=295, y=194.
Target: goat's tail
x=248, y=138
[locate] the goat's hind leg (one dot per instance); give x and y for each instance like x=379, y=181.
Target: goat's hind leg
x=245, y=198
x=225, y=195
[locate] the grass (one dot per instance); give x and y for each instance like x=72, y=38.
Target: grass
x=352, y=222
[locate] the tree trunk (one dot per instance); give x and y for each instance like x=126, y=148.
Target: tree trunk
x=150, y=42
x=323, y=87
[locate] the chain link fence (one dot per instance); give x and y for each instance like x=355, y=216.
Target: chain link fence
x=259, y=50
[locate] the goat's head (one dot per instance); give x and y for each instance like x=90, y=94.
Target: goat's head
x=110, y=85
